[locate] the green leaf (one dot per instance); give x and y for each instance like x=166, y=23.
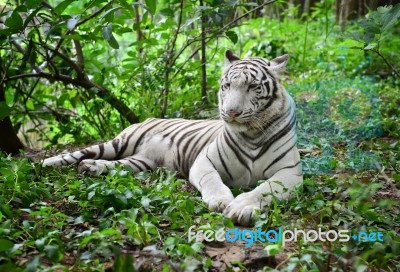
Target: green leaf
x=121, y=198
x=113, y=43
x=370, y=27
x=71, y=23
x=15, y=21
x=109, y=37
x=30, y=4
x=91, y=195
x=31, y=16
x=123, y=263
x=5, y=245
x=110, y=232
x=272, y=250
x=191, y=21
x=33, y=265
x=9, y=266
x=232, y=36
x=109, y=14
x=5, y=32
x=6, y=209
x=39, y=243
x=21, y=8
x=151, y=6
x=94, y=3
x=54, y=253
x=167, y=12
x=232, y=2
x=392, y=17
x=5, y=110
x=145, y=201
x=370, y=46
x=62, y=6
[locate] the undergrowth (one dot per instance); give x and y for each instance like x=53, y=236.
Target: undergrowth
x=348, y=128
x=56, y=219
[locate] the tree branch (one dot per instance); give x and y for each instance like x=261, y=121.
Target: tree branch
x=170, y=62
x=9, y=141
x=67, y=59
x=387, y=62
x=203, y=58
x=246, y=14
x=92, y=87
x=79, y=55
x=22, y=51
x=81, y=81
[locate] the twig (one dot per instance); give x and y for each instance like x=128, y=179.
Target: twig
x=381, y=56
x=22, y=51
x=387, y=62
x=246, y=14
x=283, y=262
x=203, y=58
x=169, y=63
x=67, y=59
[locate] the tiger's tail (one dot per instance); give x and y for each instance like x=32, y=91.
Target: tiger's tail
x=105, y=150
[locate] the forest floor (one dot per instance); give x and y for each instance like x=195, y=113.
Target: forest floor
x=58, y=220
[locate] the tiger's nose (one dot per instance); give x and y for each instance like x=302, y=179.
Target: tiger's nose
x=233, y=113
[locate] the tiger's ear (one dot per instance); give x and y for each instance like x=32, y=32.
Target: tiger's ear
x=278, y=64
x=230, y=58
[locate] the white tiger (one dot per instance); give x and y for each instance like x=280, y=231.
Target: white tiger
x=255, y=140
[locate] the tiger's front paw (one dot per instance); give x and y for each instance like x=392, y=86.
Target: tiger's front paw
x=218, y=203
x=242, y=209
x=93, y=167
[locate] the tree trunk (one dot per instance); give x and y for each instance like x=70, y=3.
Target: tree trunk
x=9, y=141
x=203, y=58
x=347, y=10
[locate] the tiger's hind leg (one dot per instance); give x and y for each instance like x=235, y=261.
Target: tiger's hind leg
x=137, y=163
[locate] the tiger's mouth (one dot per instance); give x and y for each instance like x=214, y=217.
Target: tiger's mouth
x=236, y=120
x=246, y=123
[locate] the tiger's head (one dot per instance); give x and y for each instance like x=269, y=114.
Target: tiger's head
x=250, y=93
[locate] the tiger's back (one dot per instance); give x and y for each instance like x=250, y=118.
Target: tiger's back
x=172, y=143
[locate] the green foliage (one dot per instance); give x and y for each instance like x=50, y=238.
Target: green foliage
x=70, y=65
x=93, y=216
x=348, y=130
x=331, y=201
x=390, y=110
x=375, y=29
x=47, y=216
x=155, y=47
x=378, y=23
